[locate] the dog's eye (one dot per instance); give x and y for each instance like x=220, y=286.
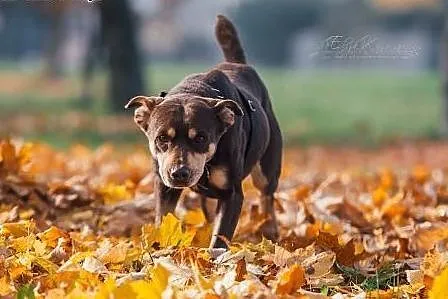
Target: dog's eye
x=200, y=138
x=163, y=138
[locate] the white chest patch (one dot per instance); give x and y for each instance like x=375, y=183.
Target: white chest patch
x=218, y=177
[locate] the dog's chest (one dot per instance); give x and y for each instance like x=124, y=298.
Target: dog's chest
x=216, y=179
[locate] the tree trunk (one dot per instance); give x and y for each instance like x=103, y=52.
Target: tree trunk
x=119, y=36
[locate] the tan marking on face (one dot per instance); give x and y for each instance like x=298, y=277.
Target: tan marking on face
x=171, y=132
x=218, y=177
x=192, y=133
x=211, y=151
x=196, y=163
x=258, y=178
x=195, y=160
x=167, y=161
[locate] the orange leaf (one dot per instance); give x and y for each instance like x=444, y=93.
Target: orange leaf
x=290, y=280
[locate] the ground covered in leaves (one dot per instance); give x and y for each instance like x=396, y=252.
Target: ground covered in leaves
x=364, y=224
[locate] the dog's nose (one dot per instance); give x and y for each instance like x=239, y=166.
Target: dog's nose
x=181, y=174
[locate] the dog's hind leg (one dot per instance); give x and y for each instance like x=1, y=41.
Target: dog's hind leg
x=265, y=176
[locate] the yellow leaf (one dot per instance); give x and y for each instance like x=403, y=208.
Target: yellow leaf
x=17, y=271
x=202, y=236
x=51, y=236
x=59, y=279
x=17, y=229
x=137, y=289
x=39, y=247
x=5, y=286
x=290, y=280
x=23, y=244
x=116, y=254
x=195, y=218
x=113, y=193
x=159, y=279
x=169, y=233
x=439, y=288
x=46, y=264
x=149, y=236
x=106, y=290
x=74, y=260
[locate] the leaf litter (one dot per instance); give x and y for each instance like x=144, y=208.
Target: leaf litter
x=353, y=224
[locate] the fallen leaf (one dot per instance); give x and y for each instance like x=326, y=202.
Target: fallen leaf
x=290, y=280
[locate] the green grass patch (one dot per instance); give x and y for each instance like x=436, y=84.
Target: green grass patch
x=325, y=107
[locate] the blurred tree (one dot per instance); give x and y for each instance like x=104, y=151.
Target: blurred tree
x=118, y=30
x=267, y=26
x=54, y=11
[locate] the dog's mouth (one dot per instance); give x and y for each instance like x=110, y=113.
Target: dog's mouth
x=181, y=180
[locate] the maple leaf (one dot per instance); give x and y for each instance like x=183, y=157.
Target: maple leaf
x=169, y=233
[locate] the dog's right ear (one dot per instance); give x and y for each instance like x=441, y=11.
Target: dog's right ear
x=144, y=106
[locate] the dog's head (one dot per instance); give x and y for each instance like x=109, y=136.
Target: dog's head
x=183, y=133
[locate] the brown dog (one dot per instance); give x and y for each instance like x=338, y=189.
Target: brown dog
x=211, y=131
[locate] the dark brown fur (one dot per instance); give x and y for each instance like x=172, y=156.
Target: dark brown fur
x=211, y=131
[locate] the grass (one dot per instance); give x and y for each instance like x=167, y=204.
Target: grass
x=326, y=107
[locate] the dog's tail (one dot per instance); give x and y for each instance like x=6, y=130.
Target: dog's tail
x=227, y=37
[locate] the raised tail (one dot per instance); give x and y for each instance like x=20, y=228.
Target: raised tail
x=227, y=37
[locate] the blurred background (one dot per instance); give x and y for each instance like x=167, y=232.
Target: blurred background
x=362, y=72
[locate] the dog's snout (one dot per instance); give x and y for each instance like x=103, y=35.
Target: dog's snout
x=181, y=174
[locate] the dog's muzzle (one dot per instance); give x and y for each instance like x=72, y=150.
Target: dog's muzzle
x=180, y=176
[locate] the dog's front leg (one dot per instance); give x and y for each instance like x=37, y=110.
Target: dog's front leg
x=229, y=210
x=166, y=199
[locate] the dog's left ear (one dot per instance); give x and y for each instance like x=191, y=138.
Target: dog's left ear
x=144, y=106
x=227, y=110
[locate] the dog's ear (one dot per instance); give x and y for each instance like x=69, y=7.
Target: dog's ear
x=227, y=110
x=144, y=106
